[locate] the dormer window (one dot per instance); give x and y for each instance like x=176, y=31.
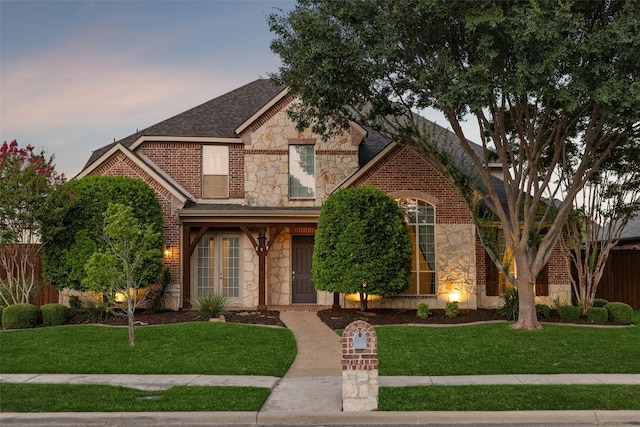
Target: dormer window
x=302, y=172
x=215, y=171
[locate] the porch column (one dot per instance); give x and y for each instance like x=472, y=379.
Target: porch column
x=262, y=251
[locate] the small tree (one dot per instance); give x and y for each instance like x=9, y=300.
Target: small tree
x=132, y=254
x=607, y=202
x=362, y=245
x=27, y=180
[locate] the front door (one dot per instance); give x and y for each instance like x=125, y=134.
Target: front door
x=303, y=290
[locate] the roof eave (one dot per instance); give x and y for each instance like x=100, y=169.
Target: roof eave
x=261, y=111
x=139, y=162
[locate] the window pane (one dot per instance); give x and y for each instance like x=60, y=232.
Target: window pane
x=302, y=181
x=215, y=160
x=215, y=185
x=420, y=219
x=206, y=273
x=230, y=266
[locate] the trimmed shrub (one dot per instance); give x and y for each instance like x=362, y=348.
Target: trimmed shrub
x=54, y=314
x=600, y=302
x=598, y=314
x=211, y=305
x=20, y=316
x=510, y=304
x=569, y=313
x=423, y=310
x=451, y=309
x=618, y=312
x=543, y=311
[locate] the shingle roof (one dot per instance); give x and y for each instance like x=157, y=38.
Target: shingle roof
x=632, y=229
x=218, y=117
x=221, y=116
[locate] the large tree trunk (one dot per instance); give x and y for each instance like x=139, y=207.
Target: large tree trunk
x=527, y=317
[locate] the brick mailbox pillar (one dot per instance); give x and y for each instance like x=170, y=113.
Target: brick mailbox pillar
x=359, y=367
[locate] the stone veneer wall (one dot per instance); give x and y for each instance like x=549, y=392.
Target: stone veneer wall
x=267, y=167
x=249, y=284
x=456, y=264
x=279, y=271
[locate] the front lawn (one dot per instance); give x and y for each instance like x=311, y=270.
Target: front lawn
x=104, y=398
x=186, y=348
x=511, y=398
x=494, y=349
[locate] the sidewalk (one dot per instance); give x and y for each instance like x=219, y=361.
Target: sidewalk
x=310, y=393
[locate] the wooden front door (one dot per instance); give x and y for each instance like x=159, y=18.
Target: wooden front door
x=303, y=290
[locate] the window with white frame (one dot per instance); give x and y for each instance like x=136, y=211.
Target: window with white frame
x=215, y=171
x=302, y=172
x=218, y=265
x=420, y=217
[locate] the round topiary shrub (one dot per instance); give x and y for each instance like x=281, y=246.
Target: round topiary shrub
x=543, y=311
x=423, y=310
x=451, y=309
x=20, y=316
x=600, y=302
x=618, y=312
x=54, y=314
x=598, y=315
x=569, y=313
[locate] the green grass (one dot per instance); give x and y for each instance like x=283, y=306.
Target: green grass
x=103, y=398
x=494, y=349
x=186, y=348
x=510, y=398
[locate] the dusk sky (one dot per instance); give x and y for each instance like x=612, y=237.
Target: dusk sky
x=74, y=75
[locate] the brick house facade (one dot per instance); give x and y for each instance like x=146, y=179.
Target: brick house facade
x=241, y=190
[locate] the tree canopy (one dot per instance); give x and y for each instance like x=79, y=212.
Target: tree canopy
x=553, y=87
x=362, y=245
x=74, y=226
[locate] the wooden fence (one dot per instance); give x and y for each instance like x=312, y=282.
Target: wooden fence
x=46, y=293
x=621, y=278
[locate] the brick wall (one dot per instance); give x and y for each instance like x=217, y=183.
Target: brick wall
x=183, y=162
x=405, y=173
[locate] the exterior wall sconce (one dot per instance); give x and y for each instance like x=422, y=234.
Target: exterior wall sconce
x=454, y=297
x=262, y=243
x=167, y=252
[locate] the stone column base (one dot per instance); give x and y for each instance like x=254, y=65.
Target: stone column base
x=359, y=390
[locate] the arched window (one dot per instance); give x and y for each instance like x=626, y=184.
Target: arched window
x=421, y=218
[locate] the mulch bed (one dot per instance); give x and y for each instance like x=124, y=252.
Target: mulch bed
x=335, y=319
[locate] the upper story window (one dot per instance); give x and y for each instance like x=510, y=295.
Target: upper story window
x=215, y=171
x=420, y=217
x=302, y=171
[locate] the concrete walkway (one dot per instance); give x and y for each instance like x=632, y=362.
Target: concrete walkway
x=313, y=383
x=310, y=393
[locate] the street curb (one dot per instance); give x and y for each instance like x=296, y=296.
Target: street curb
x=310, y=418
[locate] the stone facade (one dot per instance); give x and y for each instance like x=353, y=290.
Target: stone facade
x=267, y=168
x=456, y=265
